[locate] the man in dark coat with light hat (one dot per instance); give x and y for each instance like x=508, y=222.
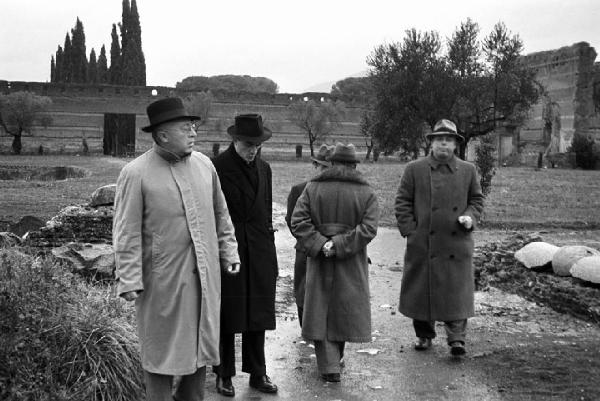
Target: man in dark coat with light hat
x=320, y=162
x=334, y=219
x=173, y=237
x=248, y=299
x=437, y=207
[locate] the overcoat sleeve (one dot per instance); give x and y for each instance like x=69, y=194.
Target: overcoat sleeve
x=303, y=228
x=475, y=199
x=291, y=203
x=228, y=250
x=127, y=231
x=404, y=204
x=348, y=243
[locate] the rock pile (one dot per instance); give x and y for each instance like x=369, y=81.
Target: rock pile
x=496, y=266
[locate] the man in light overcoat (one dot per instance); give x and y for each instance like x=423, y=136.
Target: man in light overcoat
x=173, y=236
x=334, y=219
x=437, y=206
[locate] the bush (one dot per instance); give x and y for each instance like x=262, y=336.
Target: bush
x=586, y=152
x=61, y=338
x=486, y=162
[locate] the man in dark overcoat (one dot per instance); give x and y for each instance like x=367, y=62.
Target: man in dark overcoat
x=248, y=299
x=437, y=206
x=320, y=162
x=334, y=219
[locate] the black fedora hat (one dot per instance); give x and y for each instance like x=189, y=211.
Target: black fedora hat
x=249, y=127
x=165, y=110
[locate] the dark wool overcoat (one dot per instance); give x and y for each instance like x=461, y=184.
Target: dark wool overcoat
x=437, y=281
x=338, y=204
x=248, y=298
x=300, y=261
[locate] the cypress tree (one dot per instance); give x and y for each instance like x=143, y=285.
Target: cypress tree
x=52, y=69
x=115, y=58
x=92, y=72
x=135, y=34
x=67, y=66
x=78, y=54
x=58, y=66
x=124, y=26
x=102, y=66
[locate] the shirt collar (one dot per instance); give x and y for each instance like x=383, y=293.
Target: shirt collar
x=436, y=163
x=169, y=156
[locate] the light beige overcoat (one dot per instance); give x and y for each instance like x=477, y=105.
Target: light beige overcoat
x=172, y=234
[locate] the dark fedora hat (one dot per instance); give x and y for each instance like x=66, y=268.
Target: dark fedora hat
x=249, y=127
x=445, y=127
x=165, y=110
x=344, y=154
x=323, y=155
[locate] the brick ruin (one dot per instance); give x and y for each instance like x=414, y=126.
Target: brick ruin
x=570, y=75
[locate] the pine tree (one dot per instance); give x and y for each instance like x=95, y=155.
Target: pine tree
x=67, y=65
x=52, y=69
x=102, y=66
x=92, y=72
x=115, y=58
x=78, y=54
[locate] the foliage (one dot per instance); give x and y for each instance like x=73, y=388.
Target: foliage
x=486, y=162
x=93, y=68
x=114, y=71
x=229, y=83
x=199, y=104
x=587, y=153
x=353, y=88
x=19, y=111
x=61, y=338
x=479, y=85
x=133, y=63
x=102, y=69
x=317, y=120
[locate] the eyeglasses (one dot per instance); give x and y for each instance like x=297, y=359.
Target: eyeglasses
x=188, y=126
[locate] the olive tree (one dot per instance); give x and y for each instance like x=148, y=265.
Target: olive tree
x=19, y=112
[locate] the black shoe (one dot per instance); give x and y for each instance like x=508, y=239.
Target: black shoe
x=331, y=377
x=225, y=387
x=457, y=348
x=262, y=383
x=422, y=344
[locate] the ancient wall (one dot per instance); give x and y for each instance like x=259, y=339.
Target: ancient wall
x=78, y=115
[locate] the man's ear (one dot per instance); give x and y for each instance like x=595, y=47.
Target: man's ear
x=162, y=136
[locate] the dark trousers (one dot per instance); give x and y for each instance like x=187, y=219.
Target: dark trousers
x=300, y=282
x=456, y=330
x=191, y=387
x=253, y=354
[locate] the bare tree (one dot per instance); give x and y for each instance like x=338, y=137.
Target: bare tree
x=19, y=111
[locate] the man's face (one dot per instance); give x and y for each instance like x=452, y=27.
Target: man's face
x=443, y=146
x=246, y=150
x=178, y=137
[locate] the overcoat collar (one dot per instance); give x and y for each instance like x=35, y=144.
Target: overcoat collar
x=436, y=163
x=168, y=155
x=341, y=173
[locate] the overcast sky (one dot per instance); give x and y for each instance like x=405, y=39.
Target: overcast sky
x=298, y=44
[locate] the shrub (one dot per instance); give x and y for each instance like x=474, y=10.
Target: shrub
x=486, y=162
x=586, y=152
x=61, y=338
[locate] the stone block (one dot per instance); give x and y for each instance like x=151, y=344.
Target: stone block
x=104, y=196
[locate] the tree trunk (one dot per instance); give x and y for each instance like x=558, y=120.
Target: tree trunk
x=16, y=144
x=368, y=155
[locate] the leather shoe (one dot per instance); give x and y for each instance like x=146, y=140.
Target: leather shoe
x=331, y=377
x=263, y=384
x=422, y=344
x=457, y=348
x=225, y=387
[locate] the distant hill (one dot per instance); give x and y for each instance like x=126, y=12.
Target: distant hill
x=326, y=86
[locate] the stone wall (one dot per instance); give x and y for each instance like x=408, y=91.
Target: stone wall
x=78, y=115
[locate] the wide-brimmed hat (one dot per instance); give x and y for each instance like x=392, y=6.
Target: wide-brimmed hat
x=249, y=127
x=344, y=154
x=165, y=110
x=323, y=155
x=445, y=127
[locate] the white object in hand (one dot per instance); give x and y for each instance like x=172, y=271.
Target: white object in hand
x=466, y=221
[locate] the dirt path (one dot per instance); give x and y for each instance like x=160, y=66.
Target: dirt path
x=516, y=351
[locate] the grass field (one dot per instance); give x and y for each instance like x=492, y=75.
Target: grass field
x=521, y=197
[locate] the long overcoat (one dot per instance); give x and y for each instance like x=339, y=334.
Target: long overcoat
x=300, y=260
x=248, y=299
x=337, y=204
x=437, y=281
x=172, y=236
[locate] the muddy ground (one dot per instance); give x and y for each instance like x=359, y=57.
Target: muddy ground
x=517, y=350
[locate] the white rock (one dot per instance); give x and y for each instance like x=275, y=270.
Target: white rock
x=566, y=256
x=536, y=254
x=89, y=259
x=587, y=269
x=104, y=195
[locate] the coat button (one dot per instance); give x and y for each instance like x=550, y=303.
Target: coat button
x=194, y=271
x=455, y=208
x=451, y=256
x=453, y=233
x=433, y=209
x=431, y=232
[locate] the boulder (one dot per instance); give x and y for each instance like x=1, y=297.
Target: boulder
x=96, y=260
x=566, y=256
x=8, y=239
x=587, y=269
x=26, y=224
x=104, y=196
x=536, y=254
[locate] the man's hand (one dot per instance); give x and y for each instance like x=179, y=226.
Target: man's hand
x=466, y=221
x=233, y=269
x=328, y=249
x=130, y=296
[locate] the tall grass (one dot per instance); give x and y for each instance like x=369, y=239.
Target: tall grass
x=61, y=338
